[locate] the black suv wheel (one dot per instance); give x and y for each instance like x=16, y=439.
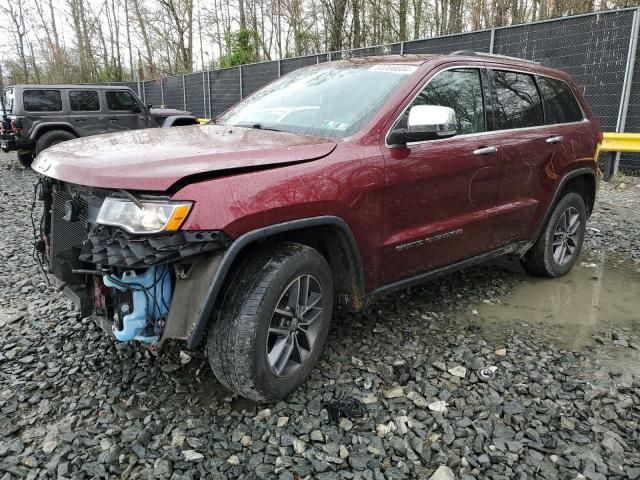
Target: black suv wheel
x=273, y=323
x=52, y=137
x=25, y=158
x=558, y=247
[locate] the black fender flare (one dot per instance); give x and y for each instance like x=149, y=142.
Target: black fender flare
x=35, y=131
x=556, y=196
x=170, y=121
x=242, y=241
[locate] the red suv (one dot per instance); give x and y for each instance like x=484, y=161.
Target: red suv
x=330, y=185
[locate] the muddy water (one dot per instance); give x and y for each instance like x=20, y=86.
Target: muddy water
x=599, y=298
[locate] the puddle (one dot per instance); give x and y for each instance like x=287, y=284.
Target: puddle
x=596, y=297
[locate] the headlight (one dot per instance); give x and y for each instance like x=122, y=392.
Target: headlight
x=153, y=217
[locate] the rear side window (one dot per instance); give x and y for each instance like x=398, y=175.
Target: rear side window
x=84, y=101
x=460, y=90
x=517, y=102
x=560, y=105
x=120, y=100
x=42, y=100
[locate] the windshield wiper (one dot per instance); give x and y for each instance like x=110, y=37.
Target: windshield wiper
x=258, y=126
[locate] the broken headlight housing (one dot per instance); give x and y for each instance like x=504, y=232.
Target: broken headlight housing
x=143, y=216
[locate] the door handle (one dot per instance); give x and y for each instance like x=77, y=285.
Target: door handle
x=485, y=150
x=113, y=119
x=80, y=119
x=556, y=139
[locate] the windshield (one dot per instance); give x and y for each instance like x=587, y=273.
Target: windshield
x=326, y=101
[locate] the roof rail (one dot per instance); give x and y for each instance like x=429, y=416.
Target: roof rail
x=471, y=53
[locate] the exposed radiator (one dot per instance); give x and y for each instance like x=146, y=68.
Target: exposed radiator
x=65, y=243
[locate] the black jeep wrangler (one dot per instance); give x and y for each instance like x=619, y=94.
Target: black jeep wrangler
x=38, y=116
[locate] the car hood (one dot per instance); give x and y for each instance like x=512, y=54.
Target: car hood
x=155, y=159
x=167, y=112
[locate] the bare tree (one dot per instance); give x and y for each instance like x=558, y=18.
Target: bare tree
x=17, y=27
x=125, y=39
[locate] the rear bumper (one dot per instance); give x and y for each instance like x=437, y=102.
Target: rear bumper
x=10, y=142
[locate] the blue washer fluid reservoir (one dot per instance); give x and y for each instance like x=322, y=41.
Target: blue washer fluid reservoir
x=148, y=306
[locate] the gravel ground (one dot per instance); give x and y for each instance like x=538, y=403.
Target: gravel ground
x=75, y=404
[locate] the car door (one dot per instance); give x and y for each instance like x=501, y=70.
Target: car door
x=529, y=150
x=439, y=194
x=124, y=111
x=86, y=112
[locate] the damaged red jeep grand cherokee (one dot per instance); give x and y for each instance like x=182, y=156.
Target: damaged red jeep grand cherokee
x=330, y=185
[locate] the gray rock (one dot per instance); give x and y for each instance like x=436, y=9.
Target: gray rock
x=359, y=462
x=161, y=468
x=443, y=473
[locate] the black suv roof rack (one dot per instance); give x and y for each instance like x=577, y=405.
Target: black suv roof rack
x=492, y=55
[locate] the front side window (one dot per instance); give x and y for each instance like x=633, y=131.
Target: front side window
x=461, y=90
x=42, y=100
x=560, y=105
x=517, y=102
x=328, y=100
x=120, y=100
x=84, y=101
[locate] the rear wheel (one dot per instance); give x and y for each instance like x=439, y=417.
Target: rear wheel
x=51, y=138
x=25, y=158
x=558, y=247
x=273, y=323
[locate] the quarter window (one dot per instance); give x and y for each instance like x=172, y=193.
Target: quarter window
x=560, y=105
x=84, y=101
x=517, y=102
x=460, y=90
x=42, y=101
x=120, y=100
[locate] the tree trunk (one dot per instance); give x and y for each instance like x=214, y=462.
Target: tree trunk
x=402, y=14
x=145, y=38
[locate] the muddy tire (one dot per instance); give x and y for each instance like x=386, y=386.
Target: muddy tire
x=558, y=247
x=273, y=322
x=25, y=158
x=51, y=138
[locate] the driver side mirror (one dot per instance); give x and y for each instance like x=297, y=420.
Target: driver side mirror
x=426, y=122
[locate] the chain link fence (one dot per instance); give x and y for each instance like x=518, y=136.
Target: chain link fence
x=599, y=50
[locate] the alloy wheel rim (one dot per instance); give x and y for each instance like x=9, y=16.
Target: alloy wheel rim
x=566, y=236
x=295, y=325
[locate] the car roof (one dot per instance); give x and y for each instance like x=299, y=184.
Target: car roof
x=388, y=59
x=462, y=56
x=78, y=86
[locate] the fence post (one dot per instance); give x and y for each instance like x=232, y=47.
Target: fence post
x=401, y=48
x=144, y=93
x=279, y=67
x=209, y=90
x=241, y=92
x=492, y=40
x=204, y=96
x=627, y=83
x=162, y=90
x=184, y=93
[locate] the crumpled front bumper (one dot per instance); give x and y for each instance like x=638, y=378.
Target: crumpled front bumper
x=92, y=262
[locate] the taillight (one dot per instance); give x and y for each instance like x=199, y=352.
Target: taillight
x=16, y=125
x=600, y=136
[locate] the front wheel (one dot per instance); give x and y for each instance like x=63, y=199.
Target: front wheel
x=273, y=322
x=558, y=247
